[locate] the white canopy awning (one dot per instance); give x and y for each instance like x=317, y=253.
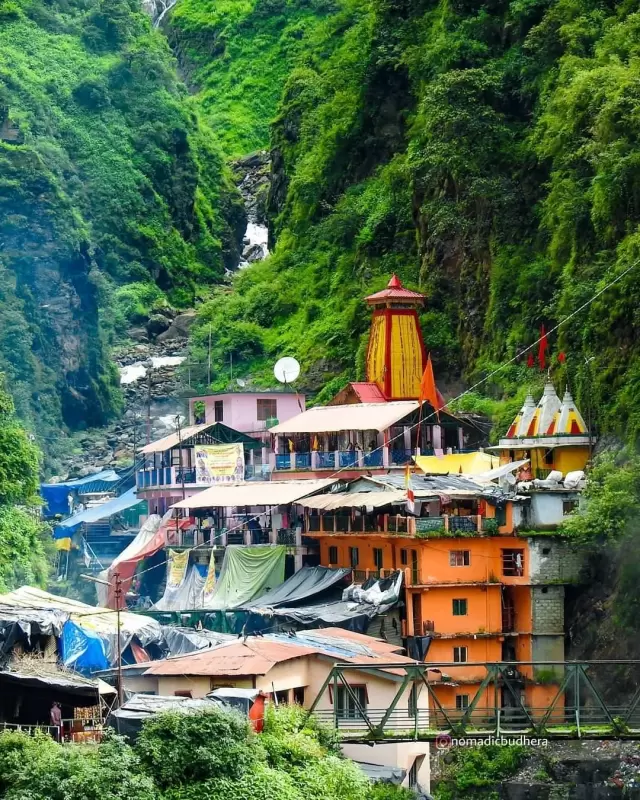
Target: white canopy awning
x=328, y=502
x=254, y=493
x=351, y=417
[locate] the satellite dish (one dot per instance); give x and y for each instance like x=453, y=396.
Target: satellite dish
x=241, y=382
x=286, y=370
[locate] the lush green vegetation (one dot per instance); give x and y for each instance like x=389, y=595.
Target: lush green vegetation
x=484, y=151
x=477, y=771
x=206, y=756
x=24, y=541
x=239, y=53
x=107, y=177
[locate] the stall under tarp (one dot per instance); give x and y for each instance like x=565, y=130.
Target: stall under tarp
x=247, y=572
x=115, y=506
x=91, y=621
x=302, y=585
x=56, y=495
x=24, y=625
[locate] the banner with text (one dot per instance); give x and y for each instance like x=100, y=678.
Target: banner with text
x=219, y=463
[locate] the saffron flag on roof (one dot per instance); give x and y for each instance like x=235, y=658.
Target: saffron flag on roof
x=428, y=390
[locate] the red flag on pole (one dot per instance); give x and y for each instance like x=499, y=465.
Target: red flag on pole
x=542, y=348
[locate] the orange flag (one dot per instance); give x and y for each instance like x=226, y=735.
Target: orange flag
x=428, y=390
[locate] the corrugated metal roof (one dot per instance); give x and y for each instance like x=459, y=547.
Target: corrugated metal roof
x=254, y=493
x=433, y=485
x=350, y=417
x=326, y=502
x=256, y=656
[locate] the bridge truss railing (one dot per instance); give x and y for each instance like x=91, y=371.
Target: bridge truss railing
x=583, y=701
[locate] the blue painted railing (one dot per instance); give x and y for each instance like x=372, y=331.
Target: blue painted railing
x=326, y=460
x=283, y=461
x=373, y=459
x=303, y=460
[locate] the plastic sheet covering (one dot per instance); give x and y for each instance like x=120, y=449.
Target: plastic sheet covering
x=65, y=684
x=139, y=543
x=83, y=650
x=128, y=719
x=90, y=618
x=186, y=595
x=238, y=699
x=307, y=582
x=115, y=506
x=182, y=641
x=56, y=495
x=247, y=572
x=20, y=626
x=354, y=610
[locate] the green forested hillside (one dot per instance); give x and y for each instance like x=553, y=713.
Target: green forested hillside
x=488, y=153
x=107, y=178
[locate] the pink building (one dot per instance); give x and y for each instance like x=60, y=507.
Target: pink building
x=249, y=412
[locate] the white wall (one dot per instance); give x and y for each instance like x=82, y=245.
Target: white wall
x=395, y=754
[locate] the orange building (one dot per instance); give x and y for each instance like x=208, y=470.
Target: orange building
x=475, y=592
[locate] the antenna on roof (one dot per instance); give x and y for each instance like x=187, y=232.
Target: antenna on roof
x=241, y=382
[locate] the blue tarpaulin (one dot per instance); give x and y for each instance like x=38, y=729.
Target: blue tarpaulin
x=56, y=495
x=83, y=650
x=67, y=527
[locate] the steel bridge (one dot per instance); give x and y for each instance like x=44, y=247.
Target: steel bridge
x=581, y=700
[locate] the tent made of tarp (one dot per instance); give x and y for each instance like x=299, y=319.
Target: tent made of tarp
x=22, y=626
x=458, y=463
x=247, y=572
x=308, y=582
x=128, y=719
x=92, y=626
x=56, y=495
x=115, y=506
x=255, y=493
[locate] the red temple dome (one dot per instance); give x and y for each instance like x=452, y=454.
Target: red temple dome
x=396, y=291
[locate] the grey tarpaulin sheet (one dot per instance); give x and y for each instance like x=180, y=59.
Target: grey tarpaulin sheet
x=306, y=583
x=384, y=592
x=186, y=595
x=21, y=625
x=67, y=684
x=182, y=641
x=128, y=719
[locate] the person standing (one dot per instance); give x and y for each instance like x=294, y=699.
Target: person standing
x=55, y=716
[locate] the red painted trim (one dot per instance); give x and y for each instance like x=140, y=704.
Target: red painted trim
x=387, y=353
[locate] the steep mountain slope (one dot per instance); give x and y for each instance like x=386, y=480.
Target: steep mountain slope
x=107, y=178
x=488, y=153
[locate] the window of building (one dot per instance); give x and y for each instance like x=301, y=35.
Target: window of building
x=282, y=698
x=460, y=608
x=404, y=558
x=568, y=507
x=218, y=411
x=462, y=701
x=460, y=655
x=354, y=557
x=333, y=555
x=459, y=558
x=347, y=708
x=513, y=563
x=378, y=557
x=182, y=693
x=267, y=409
x=298, y=695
